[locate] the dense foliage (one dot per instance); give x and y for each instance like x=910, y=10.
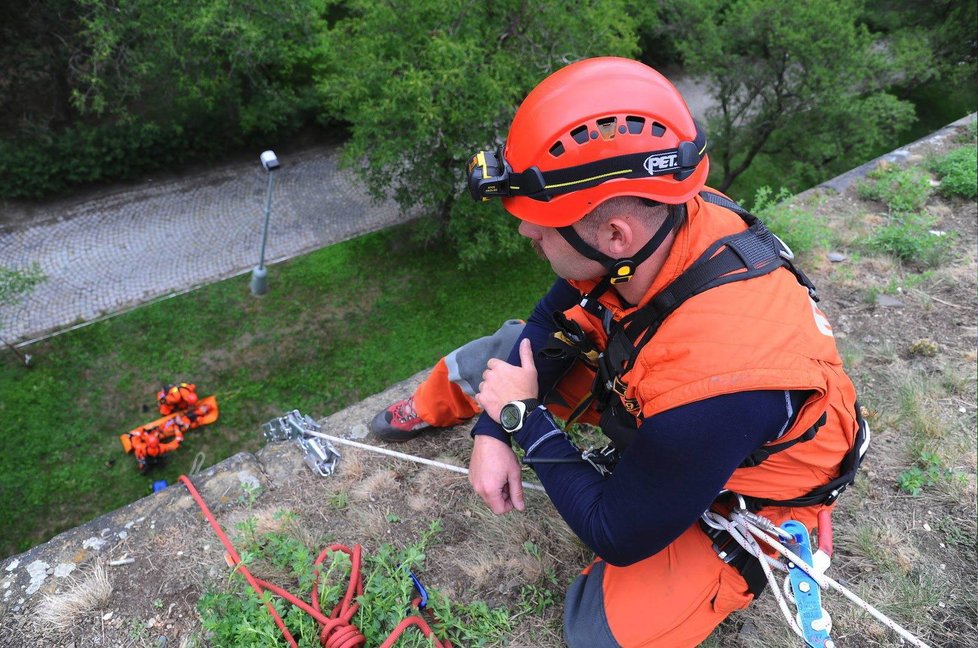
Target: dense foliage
x=99, y=90
x=425, y=85
x=109, y=89
x=807, y=85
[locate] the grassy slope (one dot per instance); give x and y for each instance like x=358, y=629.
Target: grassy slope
x=336, y=326
x=905, y=532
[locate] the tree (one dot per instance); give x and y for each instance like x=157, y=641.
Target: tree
x=802, y=82
x=38, y=41
x=14, y=284
x=424, y=85
x=945, y=30
x=248, y=62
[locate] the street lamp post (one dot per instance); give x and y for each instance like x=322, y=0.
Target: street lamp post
x=259, y=275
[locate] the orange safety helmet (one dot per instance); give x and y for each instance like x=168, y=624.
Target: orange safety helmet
x=594, y=130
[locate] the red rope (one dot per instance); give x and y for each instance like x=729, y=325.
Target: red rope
x=338, y=630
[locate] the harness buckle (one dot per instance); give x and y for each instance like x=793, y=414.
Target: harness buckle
x=834, y=495
x=619, y=386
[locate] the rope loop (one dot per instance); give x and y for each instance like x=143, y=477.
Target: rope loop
x=338, y=630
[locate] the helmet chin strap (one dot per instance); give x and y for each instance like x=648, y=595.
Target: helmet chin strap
x=621, y=270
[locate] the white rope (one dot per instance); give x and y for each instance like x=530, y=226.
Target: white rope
x=407, y=457
x=745, y=527
x=826, y=582
x=739, y=532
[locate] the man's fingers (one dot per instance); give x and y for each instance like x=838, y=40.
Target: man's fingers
x=496, y=500
x=516, y=491
x=526, y=353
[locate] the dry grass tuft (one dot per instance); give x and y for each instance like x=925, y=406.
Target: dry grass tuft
x=265, y=520
x=371, y=523
x=377, y=486
x=64, y=611
x=351, y=467
x=488, y=571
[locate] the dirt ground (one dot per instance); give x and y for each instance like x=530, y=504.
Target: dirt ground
x=908, y=337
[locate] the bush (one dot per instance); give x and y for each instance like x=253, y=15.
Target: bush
x=35, y=165
x=799, y=229
x=901, y=189
x=908, y=237
x=958, y=171
x=43, y=163
x=427, y=84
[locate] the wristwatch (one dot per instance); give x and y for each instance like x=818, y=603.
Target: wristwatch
x=514, y=414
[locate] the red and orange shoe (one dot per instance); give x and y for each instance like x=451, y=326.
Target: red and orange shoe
x=399, y=422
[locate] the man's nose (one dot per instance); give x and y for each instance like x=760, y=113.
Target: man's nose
x=529, y=230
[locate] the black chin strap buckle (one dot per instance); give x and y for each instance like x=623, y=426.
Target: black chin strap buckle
x=622, y=271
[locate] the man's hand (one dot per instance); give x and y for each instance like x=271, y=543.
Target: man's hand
x=494, y=472
x=503, y=382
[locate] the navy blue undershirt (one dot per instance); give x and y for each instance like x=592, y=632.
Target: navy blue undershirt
x=679, y=461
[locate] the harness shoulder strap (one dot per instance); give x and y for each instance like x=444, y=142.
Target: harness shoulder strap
x=748, y=254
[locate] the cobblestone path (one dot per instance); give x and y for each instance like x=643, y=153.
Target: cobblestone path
x=107, y=253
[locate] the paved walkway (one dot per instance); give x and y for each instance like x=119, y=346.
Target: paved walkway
x=108, y=253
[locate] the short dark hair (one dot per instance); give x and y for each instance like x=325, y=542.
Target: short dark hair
x=649, y=211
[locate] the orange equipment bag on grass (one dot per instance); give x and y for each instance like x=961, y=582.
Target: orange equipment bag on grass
x=208, y=417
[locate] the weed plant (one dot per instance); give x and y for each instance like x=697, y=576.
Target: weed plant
x=958, y=172
x=237, y=617
x=798, y=228
x=928, y=471
x=908, y=234
x=902, y=189
x=910, y=237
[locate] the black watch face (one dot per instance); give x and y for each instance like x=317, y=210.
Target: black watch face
x=510, y=417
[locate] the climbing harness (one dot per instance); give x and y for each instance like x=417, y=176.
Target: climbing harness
x=336, y=629
x=805, y=570
x=751, y=253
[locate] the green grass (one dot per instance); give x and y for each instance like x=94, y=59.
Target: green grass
x=907, y=234
x=337, y=325
x=909, y=238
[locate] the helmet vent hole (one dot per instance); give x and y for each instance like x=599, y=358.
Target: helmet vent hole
x=580, y=134
x=635, y=124
x=557, y=149
x=658, y=130
x=606, y=127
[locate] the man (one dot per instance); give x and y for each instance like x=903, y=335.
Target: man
x=685, y=334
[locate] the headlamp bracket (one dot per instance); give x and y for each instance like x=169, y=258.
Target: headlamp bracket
x=488, y=176
x=622, y=271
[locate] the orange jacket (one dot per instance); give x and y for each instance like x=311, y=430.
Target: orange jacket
x=177, y=397
x=762, y=333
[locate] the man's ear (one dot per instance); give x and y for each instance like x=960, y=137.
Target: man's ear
x=618, y=235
